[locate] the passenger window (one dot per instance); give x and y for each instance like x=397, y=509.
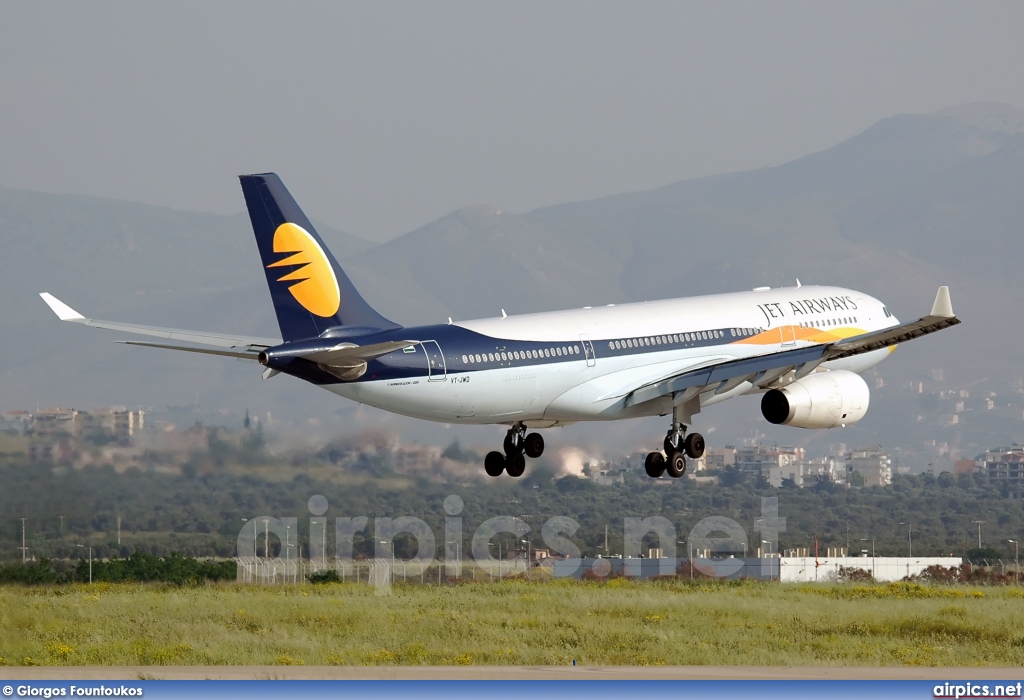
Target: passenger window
x=465, y=359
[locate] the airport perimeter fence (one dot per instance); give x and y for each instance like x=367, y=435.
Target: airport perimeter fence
x=384, y=571
x=380, y=571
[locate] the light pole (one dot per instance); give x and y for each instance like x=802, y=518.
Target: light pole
x=392, y=554
x=499, y=556
x=90, y=560
x=23, y=548
x=1016, y=561
x=529, y=573
x=767, y=555
x=255, y=558
x=872, y=540
x=458, y=557
x=910, y=539
x=978, y=523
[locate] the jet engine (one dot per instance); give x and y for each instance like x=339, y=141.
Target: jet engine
x=820, y=400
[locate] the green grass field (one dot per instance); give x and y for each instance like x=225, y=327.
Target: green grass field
x=514, y=622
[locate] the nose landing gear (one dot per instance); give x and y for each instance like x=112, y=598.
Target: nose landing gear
x=518, y=445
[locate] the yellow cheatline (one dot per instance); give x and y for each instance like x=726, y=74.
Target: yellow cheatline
x=316, y=287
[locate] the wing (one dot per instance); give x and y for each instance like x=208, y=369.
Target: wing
x=763, y=370
x=238, y=346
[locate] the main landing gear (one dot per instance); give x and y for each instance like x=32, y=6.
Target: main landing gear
x=678, y=446
x=518, y=446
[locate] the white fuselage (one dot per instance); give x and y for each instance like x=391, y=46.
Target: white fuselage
x=632, y=345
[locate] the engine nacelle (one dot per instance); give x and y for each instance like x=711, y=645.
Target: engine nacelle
x=821, y=400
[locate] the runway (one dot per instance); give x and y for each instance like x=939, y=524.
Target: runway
x=505, y=673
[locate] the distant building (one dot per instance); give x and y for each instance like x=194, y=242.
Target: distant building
x=808, y=472
x=873, y=464
x=607, y=477
x=15, y=421
x=54, y=421
x=117, y=421
x=964, y=466
x=768, y=462
x=1003, y=464
x=720, y=457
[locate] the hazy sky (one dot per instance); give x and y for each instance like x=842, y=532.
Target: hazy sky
x=383, y=116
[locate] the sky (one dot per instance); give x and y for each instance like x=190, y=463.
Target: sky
x=384, y=116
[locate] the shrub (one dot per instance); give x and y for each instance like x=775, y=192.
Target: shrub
x=328, y=576
x=853, y=574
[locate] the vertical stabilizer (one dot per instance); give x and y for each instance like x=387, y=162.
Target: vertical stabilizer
x=310, y=291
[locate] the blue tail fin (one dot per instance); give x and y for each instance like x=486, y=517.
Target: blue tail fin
x=310, y=291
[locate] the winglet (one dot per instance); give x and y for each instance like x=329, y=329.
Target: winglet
x=943, y=307
x=63, y=311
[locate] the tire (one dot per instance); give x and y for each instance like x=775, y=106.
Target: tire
x=494, y=463
x=654, y=465
x=515, y=465
x=694, y=445
x=676, y=466
x=534, y=445
x=669, y=446
x=510, y=447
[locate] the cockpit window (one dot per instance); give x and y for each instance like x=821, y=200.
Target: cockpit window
x=885, y=310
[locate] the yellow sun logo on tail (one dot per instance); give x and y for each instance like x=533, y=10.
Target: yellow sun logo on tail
x=316, y=287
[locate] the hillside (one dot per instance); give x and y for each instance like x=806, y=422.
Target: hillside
x=913, y=202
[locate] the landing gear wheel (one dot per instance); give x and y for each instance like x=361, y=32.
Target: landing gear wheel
x=515, y=464
x=494, y=463
x=512, y=446
x=654, y=465
x=676, y=465
x=671, y=444
x=534, y=445
x=693, y=445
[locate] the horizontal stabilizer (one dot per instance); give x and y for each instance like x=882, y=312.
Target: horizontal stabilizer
x=205, y=351
x=66, y=313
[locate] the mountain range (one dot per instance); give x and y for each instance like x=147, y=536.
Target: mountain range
x=913, y=202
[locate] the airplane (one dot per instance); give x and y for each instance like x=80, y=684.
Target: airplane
x=803, y=348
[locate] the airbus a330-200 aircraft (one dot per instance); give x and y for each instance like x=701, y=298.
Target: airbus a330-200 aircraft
x=802, y=347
